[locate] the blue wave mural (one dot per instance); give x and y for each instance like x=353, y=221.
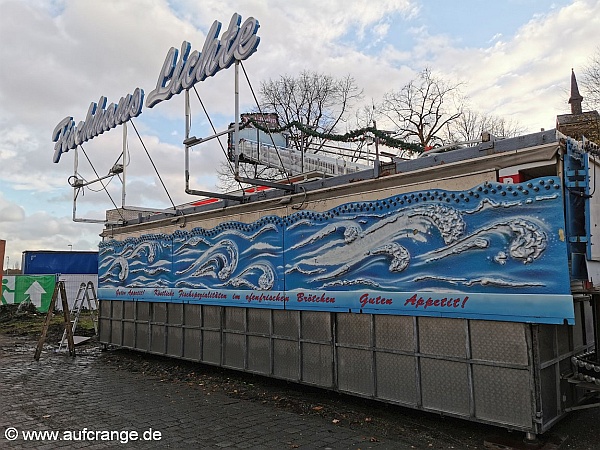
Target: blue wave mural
x=137, y=262
x=494, y=239
x=232, y=255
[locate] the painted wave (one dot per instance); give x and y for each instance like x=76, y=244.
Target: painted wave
x=492, y=238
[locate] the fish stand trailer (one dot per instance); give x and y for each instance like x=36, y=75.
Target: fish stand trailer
x=461, y=283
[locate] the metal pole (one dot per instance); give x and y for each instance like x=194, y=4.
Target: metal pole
x=595, y=303
x=124, y=163
x=187, y=135
x=237, y=121
x=75, y=165
x=187, y=113
x=376, y=168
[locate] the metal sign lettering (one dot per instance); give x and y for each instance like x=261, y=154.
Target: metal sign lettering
x=237, y=43
x=180, y=71
x=98, y=120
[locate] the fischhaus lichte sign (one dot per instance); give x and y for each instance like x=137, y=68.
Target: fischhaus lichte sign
x=181, y=70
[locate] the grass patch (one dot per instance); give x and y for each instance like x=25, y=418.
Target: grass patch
x=30, y=323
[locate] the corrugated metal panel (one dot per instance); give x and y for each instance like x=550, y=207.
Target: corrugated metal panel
x=259, y=354
x=355, y=370
x=499, y=341
x=445, y=337
x=354, y=329
x=317, y=364
x=445, y=386
x=502, y=395
x=396, y=377
x=285, y=359
x=394, y=332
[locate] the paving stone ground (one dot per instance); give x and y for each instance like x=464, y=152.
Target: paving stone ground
x=92, y=404
x=80, y=398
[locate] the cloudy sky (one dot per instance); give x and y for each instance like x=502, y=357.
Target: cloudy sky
x=58, y=56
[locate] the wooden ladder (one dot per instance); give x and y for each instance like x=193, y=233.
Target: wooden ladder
x=59, y=289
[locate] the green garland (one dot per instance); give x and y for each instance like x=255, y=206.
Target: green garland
x=350, y=136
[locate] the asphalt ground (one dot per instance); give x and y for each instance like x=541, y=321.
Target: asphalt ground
x=122, y=399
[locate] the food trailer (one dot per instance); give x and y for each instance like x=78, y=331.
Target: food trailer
x=462, y=282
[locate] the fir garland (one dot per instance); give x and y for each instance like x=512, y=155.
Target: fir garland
x=350, y=136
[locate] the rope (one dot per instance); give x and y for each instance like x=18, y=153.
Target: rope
x=263, y=129
x=102, y=183
x=153, y=165
x=218, y=138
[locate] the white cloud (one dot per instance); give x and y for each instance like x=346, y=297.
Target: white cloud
x=10, y=212
x=520, y=76
x=58, y=56
x=41, y=230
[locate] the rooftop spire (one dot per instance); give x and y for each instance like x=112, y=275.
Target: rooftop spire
x=576, y=97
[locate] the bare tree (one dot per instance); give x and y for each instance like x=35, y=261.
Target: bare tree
x=590, y=82
x=316, y=101
x=423, y=108
x=365, y=117
x=471, y=124
x=227, y=183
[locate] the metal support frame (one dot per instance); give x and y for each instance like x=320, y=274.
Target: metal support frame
x=77, y=187
x=124, y=173
x=191, y=141
x=272, y=184
x=79, y=184
x=595, y=302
